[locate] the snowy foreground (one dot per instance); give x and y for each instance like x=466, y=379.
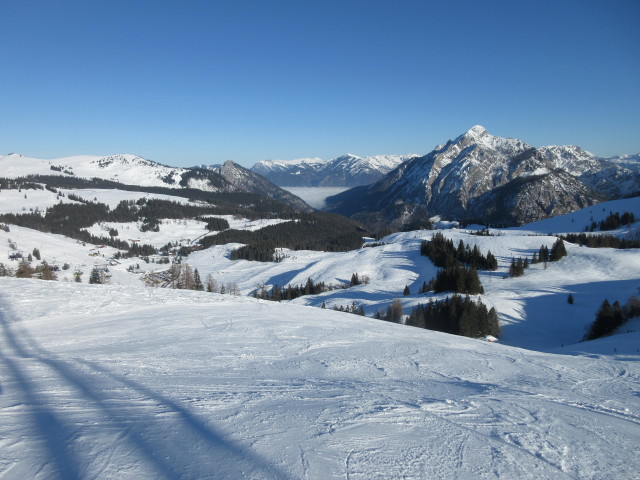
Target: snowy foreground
x=130, y=382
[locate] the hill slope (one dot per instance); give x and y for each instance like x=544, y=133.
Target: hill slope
x=134, y=170
x=113, y=381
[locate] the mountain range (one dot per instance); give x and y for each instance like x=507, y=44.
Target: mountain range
x=488, y=179
x=344, y=171
x=477, y=177
x=129, y=169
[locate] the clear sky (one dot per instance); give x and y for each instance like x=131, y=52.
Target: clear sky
x=201, y=82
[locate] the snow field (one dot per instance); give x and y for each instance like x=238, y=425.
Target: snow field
x=131, y=382
x=14, y=201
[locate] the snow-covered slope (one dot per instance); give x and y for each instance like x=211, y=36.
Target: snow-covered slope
x=491, y=179
x=133, y=170
x=126, y=169
x=344, y=171
x=125, y=382
x=533, y=308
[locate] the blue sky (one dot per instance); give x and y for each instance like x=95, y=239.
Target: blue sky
x=193, y=82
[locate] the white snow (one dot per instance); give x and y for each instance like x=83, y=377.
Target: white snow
x=122, y=382
x=125, y=381
x=14, y=201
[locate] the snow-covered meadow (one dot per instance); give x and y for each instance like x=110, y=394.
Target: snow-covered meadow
x=126, y=381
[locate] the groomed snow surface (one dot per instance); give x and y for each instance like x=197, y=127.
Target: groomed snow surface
x=121, y=382
x=125, y=381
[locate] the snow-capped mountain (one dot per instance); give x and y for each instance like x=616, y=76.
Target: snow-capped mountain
x=486, y=178
x=344, y=171
x=133, y=170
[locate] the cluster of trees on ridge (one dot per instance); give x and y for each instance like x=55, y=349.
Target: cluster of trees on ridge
x=277, y=293
x=612, y=222
x=458, y=265
x=601, y=241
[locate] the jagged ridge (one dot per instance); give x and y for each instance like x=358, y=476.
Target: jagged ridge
x=486, y=178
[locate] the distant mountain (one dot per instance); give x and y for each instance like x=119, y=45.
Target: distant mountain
x=483, y=178
x=133, y=170
x=345, y=171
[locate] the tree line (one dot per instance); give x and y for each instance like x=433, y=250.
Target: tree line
x=601, y=241
x=307, y=231
x=612, y=222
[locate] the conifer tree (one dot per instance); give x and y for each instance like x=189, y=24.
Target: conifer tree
x=558, y=250
x=406, y=291
x=197, y=283
x=608, y=318
x=96, y=276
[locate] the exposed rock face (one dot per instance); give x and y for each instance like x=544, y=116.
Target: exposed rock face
x=248, y=181
x=482, y=178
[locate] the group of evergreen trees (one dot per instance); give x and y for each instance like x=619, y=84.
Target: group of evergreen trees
x=455, y=277
x=357, y=279
x=393, y=313
x=601, y=241
x=517, y=267
x=290, y=292
x=256, y=252
x=458, y=316
x=544, y=255
x=609, y=317
x=458, y=266
x=307, y=231
x=441, y=251
x=353, y=308
x=612, y=222
x=278, y=293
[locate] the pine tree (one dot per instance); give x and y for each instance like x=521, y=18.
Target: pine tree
x=96, y=276
x=558, y=250
x=570, y=299
x=406, y=291
x=197, y=283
